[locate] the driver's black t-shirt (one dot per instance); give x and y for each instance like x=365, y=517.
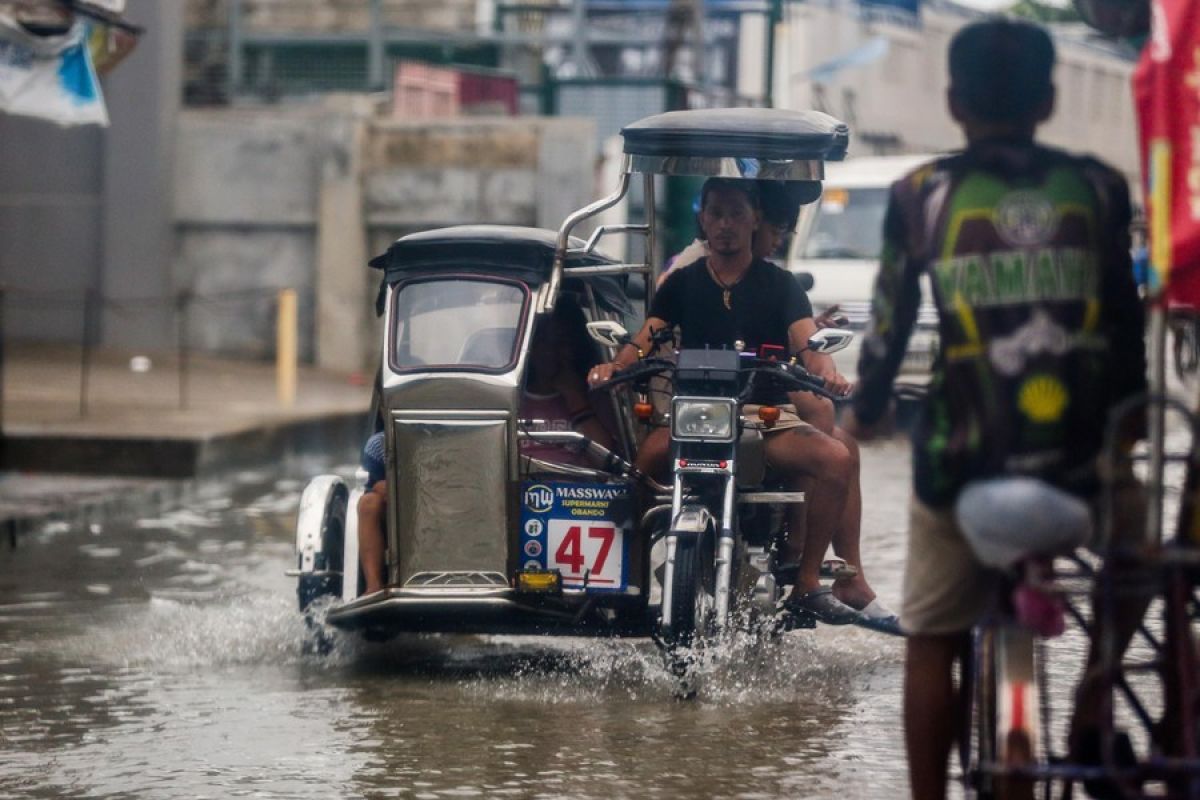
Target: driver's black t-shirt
x=765, y=303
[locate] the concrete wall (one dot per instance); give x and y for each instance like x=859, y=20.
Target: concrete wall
x=51, y=193
x=302, y=197
x=89, y=208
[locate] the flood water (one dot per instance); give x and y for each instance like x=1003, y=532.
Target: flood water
x=164, y=657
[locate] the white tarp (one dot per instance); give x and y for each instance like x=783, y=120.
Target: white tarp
x=49, y=77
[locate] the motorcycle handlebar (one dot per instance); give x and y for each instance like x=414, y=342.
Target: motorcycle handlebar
x=641, y=369
x=800, y=378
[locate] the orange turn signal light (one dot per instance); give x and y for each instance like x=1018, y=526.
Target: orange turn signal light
x=769, y=415
x=643, y=411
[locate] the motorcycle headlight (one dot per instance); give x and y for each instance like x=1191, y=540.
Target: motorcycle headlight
x=702, y=419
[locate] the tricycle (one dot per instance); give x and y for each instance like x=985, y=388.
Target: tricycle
x=486, y=530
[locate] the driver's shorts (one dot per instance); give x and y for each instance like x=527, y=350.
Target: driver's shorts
x=947, y=591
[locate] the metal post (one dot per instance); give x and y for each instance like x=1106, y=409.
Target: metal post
x=651, y=214
x=375, y=48
x=3, y=343
x=183, y=302
x=579, y=47
x=91, y=299
x=774, y=15
x=234, y=78
x=286, y=351
x=1157, y=426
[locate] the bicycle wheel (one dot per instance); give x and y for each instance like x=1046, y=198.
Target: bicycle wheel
x=1178, y=735
x=1005, y=715
x=977, y=744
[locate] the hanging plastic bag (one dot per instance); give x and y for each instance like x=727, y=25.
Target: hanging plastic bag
x=50, y=77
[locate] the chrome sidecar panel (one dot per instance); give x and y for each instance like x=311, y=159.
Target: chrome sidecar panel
x=455, y=527
x=491, y=611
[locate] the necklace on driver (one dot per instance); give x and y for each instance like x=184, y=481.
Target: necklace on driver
x=726, y=288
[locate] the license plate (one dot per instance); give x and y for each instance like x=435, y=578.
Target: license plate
x=579, y=529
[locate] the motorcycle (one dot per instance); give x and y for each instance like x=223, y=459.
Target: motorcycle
x=725, y=523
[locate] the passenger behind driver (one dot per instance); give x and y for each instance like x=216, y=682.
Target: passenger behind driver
x=781, y=210
x=733, y=295
x=555, y=399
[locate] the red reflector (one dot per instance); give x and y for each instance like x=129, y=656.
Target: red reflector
x=683, y=462
x=722, y=464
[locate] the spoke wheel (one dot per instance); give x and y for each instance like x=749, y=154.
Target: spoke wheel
x=1001, y=672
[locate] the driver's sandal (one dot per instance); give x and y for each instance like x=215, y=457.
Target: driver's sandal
x=821, y=605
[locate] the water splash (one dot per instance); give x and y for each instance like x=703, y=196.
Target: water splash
x=176, y=633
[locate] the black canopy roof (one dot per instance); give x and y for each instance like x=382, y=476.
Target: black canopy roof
x=524, y=254
x=762, y=133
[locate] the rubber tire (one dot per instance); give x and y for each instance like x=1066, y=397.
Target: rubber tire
x=311, y=588
x=986, y=702
x=692, y=576
x=981, y=722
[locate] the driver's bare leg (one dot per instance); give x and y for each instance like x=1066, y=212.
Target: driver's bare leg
x=371, y=508
x=801, y=452
x=854, y=592
x=819, y=412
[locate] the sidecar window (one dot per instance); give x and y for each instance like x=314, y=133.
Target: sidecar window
x=456, y=323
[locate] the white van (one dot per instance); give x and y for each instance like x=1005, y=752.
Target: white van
x=842, y=245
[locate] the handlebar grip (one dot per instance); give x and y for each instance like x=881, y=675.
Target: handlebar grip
x=800, y=373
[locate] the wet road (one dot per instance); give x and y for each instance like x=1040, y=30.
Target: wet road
x=163, y=658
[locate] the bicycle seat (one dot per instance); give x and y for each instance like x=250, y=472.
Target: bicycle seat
x=1008, y=519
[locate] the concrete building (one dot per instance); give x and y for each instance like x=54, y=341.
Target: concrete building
x=180, y=225
x=232, y=204
x=892, y=87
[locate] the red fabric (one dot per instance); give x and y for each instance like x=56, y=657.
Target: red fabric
x=1167, y=90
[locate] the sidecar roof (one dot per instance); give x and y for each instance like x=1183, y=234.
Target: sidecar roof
x=766, y=134
x=524, y=254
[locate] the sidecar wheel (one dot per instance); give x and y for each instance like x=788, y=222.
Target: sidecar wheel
x=692, y=589
x=326, y=577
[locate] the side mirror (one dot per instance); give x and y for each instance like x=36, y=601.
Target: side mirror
x=608, y=333
x=830, y=340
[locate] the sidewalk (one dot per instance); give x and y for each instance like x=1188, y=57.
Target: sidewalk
x=135, y=437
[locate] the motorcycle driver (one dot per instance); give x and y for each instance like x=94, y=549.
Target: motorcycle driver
x=1041, y=335
x=732, y=295
x=781, y=202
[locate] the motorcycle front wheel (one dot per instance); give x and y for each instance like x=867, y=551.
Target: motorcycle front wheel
x=692, y=590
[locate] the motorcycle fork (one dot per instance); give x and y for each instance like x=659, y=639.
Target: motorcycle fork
x=671, y=540
x=723, y=572
x=724, y=555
